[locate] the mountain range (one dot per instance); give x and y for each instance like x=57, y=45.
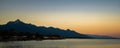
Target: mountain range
x=20, y=26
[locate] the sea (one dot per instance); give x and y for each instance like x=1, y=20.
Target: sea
x=64, y=43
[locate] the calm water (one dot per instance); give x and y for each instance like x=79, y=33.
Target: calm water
x=68, y=43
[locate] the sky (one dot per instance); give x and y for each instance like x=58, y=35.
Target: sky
x=99, y=17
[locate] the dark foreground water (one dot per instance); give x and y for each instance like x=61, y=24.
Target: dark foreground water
x=67, y=43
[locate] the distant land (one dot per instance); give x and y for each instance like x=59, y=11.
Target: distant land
x=18, y=30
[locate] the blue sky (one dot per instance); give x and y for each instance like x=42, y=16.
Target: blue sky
x=58, y=5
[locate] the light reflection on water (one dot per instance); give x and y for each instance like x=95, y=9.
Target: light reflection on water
x=68, y=43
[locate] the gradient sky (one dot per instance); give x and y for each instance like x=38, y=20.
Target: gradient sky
x=101, y=17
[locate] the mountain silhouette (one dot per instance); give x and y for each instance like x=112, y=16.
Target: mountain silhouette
x=20, y=26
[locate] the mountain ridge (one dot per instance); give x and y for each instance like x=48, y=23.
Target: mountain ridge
x=20, y=26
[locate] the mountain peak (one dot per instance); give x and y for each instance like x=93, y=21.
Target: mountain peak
x=18, y=20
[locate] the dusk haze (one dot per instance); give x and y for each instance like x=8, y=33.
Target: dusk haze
x=99, y=17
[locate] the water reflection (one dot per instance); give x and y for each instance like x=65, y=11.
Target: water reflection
x=70, y=43
x=12, y=47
